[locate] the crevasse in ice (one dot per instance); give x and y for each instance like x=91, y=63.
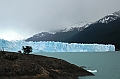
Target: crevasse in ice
x=51, y=46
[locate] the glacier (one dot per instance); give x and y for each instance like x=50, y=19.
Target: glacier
x=51, y=46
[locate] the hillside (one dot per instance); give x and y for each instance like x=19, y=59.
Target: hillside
x=20, y=66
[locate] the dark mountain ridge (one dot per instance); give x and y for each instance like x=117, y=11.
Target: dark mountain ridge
x=105, y=31
x=60, y=35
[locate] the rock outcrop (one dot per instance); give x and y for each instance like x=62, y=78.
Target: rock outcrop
x=21, y=66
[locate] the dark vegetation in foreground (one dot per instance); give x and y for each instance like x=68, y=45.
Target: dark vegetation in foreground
x=27, y=66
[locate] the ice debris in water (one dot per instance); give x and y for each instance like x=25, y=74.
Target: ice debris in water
x=51, y=46
x=92, y=71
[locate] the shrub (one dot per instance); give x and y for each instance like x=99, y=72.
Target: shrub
x=27, y=49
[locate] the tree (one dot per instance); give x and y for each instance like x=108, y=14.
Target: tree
x=27, y=49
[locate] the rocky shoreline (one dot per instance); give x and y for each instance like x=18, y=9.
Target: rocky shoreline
x=20, y=66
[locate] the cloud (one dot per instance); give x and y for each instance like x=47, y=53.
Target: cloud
x=28, y=17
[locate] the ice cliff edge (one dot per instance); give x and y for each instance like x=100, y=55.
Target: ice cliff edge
x=51, y=46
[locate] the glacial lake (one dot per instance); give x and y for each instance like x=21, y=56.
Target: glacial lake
x=105, y=65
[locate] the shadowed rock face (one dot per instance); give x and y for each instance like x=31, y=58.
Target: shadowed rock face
x=20, y=66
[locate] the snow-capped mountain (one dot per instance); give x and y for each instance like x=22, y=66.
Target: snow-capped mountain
x=103, y=31
x=79, y=26
x=60, y=35
x=110, y=17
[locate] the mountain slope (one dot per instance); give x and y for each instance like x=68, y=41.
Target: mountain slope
x=60, y=35
x=43, y=36
x=105, y=31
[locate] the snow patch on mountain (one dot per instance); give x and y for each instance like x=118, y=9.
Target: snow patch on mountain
x=109, y=18
x=79, y=26
x=42, y=34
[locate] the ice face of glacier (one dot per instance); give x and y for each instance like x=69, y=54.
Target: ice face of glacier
x=52, y=46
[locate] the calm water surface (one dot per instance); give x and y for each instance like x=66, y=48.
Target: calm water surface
x=105, y=64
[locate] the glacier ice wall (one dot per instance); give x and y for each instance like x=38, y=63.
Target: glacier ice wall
x=52, y=46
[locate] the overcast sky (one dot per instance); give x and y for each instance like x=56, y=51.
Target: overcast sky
x=23, y=18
